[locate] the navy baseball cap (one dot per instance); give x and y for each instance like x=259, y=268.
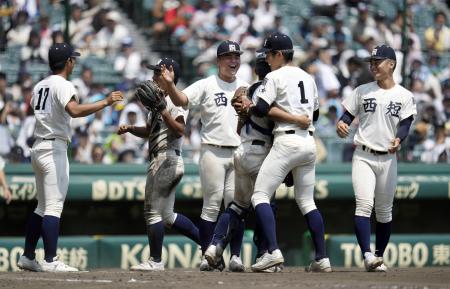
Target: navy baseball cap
x=167, y=62
x=227, y=47
x=60, y=52
x=382, y=52
x=277, y=41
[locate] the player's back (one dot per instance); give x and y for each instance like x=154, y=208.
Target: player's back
x=49, y=99
x=295, y=91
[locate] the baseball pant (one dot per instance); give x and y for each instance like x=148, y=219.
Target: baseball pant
x=248, y=159
x=217, y=179
x=164, y=174
x=51, y=168
x=296, y=152
x=374, y=177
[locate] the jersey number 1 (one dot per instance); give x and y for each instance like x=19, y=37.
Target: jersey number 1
x=302, y=93
x=38, y=105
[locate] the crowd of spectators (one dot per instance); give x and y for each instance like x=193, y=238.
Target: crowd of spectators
x=330, y=44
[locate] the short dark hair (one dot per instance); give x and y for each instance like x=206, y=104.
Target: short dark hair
x=288, y=54
x=57, y=67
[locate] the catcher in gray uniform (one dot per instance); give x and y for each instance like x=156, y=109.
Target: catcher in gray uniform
x=164, y=130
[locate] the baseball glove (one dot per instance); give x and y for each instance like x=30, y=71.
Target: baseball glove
x=151, y=96
x=241, y=103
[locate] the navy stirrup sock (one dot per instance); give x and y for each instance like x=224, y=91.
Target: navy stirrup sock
x=50, y=233
x=185, y=226
x=317, y=230
x=222, y=229
x=236, y=238
x=32, y=235
x=266, y=219
x=206, y=231
x=362, y=230
x=155, y=234
x=383, y=233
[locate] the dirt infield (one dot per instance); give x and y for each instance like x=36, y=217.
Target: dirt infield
x=291, y=277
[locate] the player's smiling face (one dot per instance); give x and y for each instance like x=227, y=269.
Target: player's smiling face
x=381, y=68
x=228, y=66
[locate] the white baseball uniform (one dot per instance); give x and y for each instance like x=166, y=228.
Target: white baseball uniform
x=49, y=152
x=294, y=149
x=166, y=167
x=374, y=170
x=219, y=140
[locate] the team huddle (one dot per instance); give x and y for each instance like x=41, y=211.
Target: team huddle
x=253, y=138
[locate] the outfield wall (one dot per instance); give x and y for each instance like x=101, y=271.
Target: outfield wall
x=120, y=182
x=86, y=252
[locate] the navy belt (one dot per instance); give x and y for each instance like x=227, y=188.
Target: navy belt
x=293, y=132
x=258, y=142
x=369, y=150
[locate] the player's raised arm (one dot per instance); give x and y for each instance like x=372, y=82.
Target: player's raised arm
x=167, y=82
x=74, y=109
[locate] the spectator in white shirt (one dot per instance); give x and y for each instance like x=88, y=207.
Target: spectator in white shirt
x=110, y=36
x=128, y=62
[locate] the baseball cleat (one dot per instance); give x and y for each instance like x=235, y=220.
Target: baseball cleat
x=29, y=265
x=213, y=254
x=268, y=260
x=323, y=265
x=150, y=265
x=236, y=264
x=371, y=261
x=274, y=269
x=204, y=265
x=381, y=268
x=57, y=266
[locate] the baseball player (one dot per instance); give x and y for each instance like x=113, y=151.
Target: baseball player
x=55, y=102
x=293, y=150
x=218, y=136
x=256, y=141
x=164, y=130
x=385, y=110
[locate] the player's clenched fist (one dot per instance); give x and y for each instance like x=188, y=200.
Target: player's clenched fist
x=342, y=129
x=124, y=128
x=114, y=96
x=303, y=121
x=395, y=145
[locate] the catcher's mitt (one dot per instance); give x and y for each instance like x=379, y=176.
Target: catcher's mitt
x=241, y=103
x=151, y=96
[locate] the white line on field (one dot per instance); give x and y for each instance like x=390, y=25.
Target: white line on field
x=65, y=280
